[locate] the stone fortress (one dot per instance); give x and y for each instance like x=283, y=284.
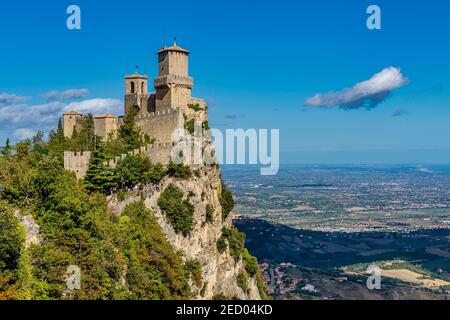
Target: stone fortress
x=159, y=114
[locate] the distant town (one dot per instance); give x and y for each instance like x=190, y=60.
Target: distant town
x=315, y=229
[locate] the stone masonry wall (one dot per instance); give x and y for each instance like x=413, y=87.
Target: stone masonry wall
x=161, y=125
x=77, y=162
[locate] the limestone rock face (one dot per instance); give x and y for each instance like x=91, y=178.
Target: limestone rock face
x=219, y=270
x=32, y=234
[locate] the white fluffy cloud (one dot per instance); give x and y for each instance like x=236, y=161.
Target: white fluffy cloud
x=20, y=119
x=66, y=95
x=6, y=99
x=96, y=106
x=367, y=94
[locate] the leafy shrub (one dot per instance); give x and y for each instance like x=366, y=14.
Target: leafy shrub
x=226, y=201
x=137, y=170
x=189, y=125
x=219, y=296
x=235, y=240
x=155, y=174
x=179, y=212
x=180, y=171
x=194, y=270
x=196, y=107
x=251, y=264
x=203, y=290
x=222, y=244
x=209, y=213
x=242, y=281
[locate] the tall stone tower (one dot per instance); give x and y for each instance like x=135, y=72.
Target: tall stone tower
x=136, y=93
x=173, y=85
x=70, y=120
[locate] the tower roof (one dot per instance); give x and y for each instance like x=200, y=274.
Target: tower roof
x=71, y=113
x=106, y=115
x=174, y=47
x=136, y=76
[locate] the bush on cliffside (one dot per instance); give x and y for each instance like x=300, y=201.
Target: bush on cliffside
x=179, y=171
x=235, y=240
x=178, y=211
x=226, y=201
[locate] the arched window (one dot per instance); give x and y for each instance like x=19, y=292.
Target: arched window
x=142, y=87
x=132, y=87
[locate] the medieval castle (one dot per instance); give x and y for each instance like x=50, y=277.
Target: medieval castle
x=159, y=114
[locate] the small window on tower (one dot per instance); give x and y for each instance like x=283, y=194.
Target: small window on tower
x=132, y=87
x=142, y=87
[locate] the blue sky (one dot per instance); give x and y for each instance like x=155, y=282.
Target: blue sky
x=255, y=62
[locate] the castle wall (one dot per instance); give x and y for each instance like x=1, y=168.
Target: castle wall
x=163, y=98
x=77, y=162
x=157, y=153
x=104, y=127
x=161, y=125
x=146, y=102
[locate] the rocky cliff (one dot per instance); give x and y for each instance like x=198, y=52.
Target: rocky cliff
x=219, y=270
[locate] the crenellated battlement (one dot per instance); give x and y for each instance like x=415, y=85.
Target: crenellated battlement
x=158, y=152
x=160, y=125
x=155, y=114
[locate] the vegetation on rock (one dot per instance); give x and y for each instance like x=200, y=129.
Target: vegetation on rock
x=226, y=201
x=209, y=215
x=177, y=210
x=120, y=258
x=179, y=171
x=194, y=270
x=242, y=281
x=235, y=241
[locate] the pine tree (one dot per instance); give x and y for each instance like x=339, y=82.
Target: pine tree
x=129, y=133
x=6, y=150
x=99, y=177
x=60, y=130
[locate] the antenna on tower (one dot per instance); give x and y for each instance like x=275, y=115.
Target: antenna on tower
x=163, y=35
x=175, y=41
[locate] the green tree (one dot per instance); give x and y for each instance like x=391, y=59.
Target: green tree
x=6, y=150
x=155, y=174
x=131, y=171
x=10, y=241
x=83, y=137
x=129, y=133
x=180, y=171
x=99, y=177
x=155, y=271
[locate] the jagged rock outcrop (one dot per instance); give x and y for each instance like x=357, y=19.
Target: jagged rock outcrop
x=32, y=234
x=219, y=270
